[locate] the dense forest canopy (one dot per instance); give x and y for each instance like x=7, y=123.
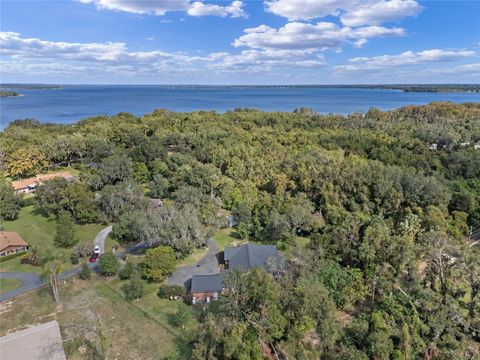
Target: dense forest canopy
x=386, y=199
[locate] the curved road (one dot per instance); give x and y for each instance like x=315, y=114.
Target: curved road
x=100, y=238
x=31, y=281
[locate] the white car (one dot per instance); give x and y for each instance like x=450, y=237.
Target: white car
x=96, y=250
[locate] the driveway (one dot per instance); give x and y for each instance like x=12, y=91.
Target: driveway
x=100, y=239
x=207, y=265
x=29, y=281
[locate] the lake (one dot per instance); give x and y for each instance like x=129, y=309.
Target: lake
x=72, y=103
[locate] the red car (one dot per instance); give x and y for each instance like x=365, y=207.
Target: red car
x=93, y=258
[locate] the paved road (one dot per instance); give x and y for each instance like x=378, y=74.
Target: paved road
x=205, y=266
x=100, y=239
x=31, y=281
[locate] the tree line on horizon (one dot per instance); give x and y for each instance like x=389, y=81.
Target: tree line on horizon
x=388, y=271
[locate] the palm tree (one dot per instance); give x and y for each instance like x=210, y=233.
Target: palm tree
x=52, y=266
x=33, y=256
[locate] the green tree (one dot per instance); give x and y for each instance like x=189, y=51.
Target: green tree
x=134, y=288
x=181, y=315
x=115, y=168
x=25, y=161
x=127, y=270
x=85, y=273
x=108, y=264
x=158, y=186
x=52, y=267
x=158, y=263
x=10, y=202
x=66, y=235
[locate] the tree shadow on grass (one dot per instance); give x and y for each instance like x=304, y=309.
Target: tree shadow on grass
x=36, y=211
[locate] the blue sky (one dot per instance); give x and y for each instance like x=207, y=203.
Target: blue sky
x=240, y=42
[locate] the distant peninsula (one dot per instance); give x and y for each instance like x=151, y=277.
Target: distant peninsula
x=433, y=88
x=8, y=93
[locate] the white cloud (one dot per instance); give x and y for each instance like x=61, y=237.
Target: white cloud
x=320, y=36
x=351, y=12
x=32, y=55
x=307, y=9
x=380, y=12
x=404, y=59
x=161, y=7
x=234, y=10
x=154, y=7
x=13, y=44
x=264, y=60
x=469, y=69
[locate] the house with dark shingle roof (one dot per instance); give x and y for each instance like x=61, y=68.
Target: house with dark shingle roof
x=248, y=256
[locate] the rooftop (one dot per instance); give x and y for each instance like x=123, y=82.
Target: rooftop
x=34, y=181
x=249, y=256
x=39, y=342
x=10, y=238
x=207, y=283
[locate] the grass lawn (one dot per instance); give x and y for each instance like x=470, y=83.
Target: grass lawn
x=163, y=311
x=227, y=237
x=39, y=230
x=114, y=328
x=193, y=258
x=301, y=242
x=110, y=242
x=8, y=284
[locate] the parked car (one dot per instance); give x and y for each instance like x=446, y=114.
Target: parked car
x=94, y=257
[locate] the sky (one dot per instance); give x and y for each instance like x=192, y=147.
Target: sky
x=246, y=42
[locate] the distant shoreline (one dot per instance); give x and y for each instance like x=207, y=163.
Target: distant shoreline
x=436, y=88
x=9, y=93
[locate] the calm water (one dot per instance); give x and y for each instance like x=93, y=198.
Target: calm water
x=72, y=103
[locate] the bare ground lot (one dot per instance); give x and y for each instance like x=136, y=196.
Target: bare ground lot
x=97, y=322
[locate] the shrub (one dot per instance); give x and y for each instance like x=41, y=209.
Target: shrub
x=85, y=273
x=181, y=316
x=126, y=271
x=108, y=264
x=75, y=259
x=167, y=291
x=82, y=250
x=66, y=235
x=134, y=288
x=158, y=263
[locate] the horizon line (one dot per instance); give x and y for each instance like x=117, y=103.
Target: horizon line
x=199, y=84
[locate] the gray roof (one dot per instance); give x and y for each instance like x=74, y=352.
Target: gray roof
x=38, y=342
x=249, y=256
x=207, y=283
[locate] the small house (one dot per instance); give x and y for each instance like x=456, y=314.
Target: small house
x=249, y=256
x=11, y=243
x=28, y=186
x=206, y=288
